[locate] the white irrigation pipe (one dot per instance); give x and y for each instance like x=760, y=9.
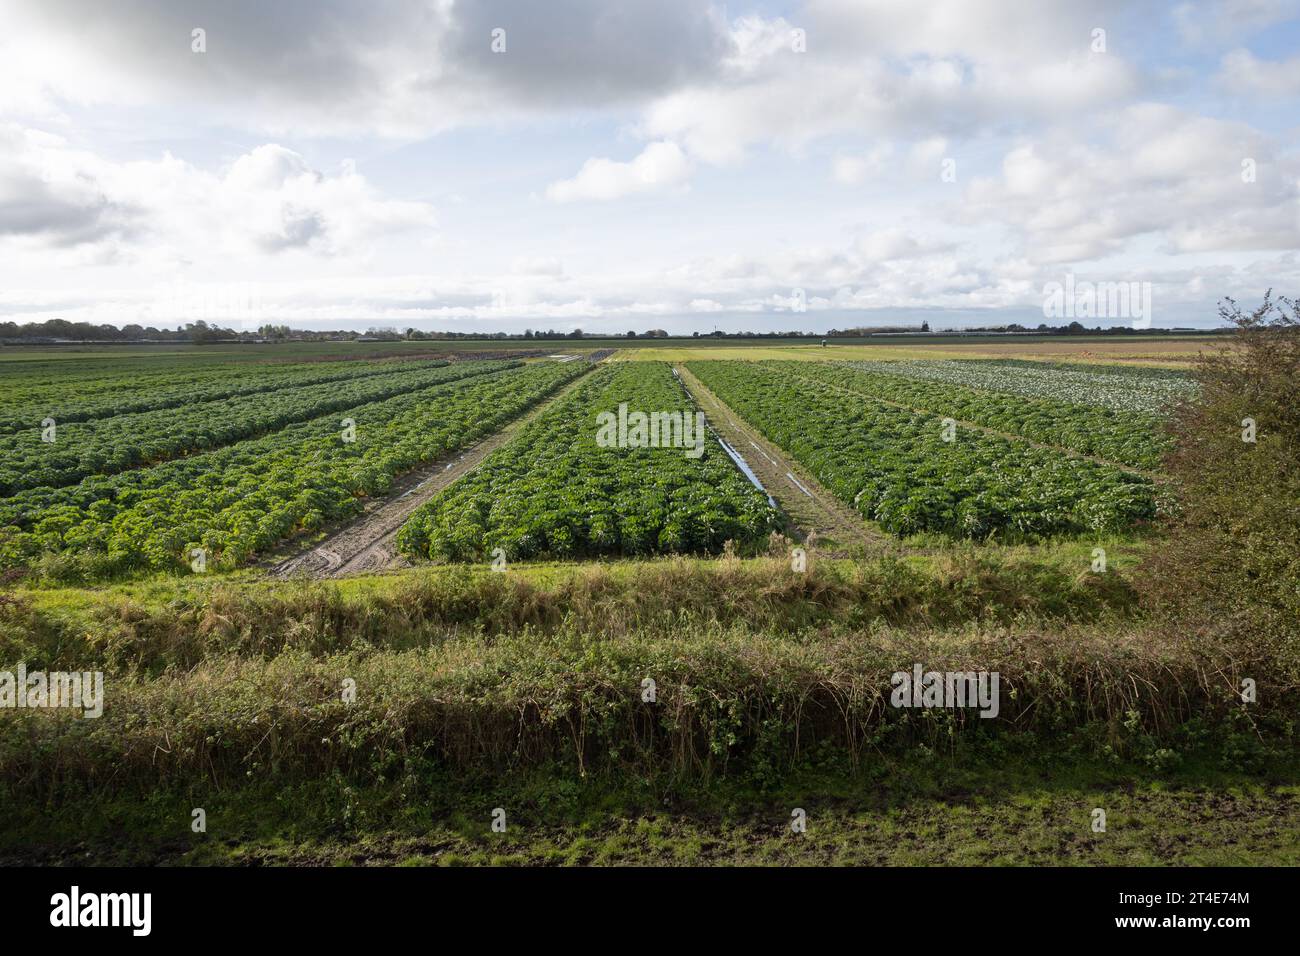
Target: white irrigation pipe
x=798, y=483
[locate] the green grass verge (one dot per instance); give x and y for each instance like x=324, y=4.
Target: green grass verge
x=923, y=809
x=166, y=622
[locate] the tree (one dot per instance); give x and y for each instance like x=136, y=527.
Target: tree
x=201, y=333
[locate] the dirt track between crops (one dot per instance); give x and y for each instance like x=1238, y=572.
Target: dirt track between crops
x=369, y=542
x=811, y=508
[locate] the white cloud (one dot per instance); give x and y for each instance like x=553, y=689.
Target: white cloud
x=1064, y=155
x=1241, y=72
x=53, y=194
x=269, y=200
x=408, y=68
x=840, y=284
x=928, y=153
x=895, y=244
x=855, y=169
x=1214, y=23
x=1159, y=171
x=537, y=266
x=401, y=68
x=659, y=166
x=883, y=69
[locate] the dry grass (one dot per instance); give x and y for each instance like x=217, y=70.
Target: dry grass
x=754, y=667
x=182, y=628
x=499, y=705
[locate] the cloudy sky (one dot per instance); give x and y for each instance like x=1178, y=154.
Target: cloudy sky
x=677, y=164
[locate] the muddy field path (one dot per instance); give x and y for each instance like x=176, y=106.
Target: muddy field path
x=368, y=542
x=811, y=508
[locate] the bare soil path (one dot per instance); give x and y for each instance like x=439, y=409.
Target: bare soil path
x=368, y=542
x=812, y=509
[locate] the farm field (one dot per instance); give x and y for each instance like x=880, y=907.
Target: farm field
x=1173, y=351
x=1126, y=436
x=502, y=557
x=122, y=441
x=1141, y=389
x=243, y=497
x=1169, y=349
x=911, y=473
x=37, y=392
x=557, y=492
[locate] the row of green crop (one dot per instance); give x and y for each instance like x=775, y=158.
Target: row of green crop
x=107, y=446
x=244, y=498
x=65, y=396
x=897, y=468
x=1144, y=391
x=557, y=491
x=1130, y=438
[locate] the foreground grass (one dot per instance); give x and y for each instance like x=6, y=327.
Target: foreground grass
x=925, y=810
x=169, y=620
x=473, y=690
x=750, y=662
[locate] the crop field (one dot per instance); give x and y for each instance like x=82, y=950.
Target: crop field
x=249, y=493
x=1126, y=437
x=503, y=554
x=917, y=469
x=1172, y=352
x=121, y=441
x=1136, y=389
x=555, y=492
x=132, y=474
x=122, y=470
x=58, y=392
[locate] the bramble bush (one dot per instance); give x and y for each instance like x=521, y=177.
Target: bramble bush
x=1230, y=567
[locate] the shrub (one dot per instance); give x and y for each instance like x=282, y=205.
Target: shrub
x=1231, y=565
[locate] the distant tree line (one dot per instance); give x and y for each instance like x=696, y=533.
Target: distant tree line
x=1076, y=328
x=61, y=330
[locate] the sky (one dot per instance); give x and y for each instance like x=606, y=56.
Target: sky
x=645, y=164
